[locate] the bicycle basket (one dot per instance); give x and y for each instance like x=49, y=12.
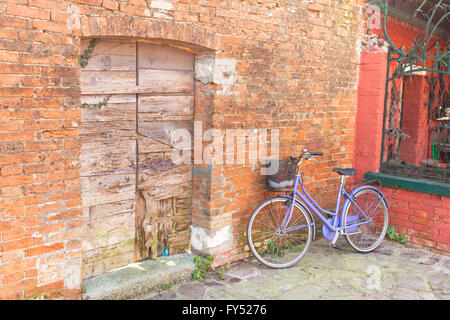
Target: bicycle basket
x=284, y=177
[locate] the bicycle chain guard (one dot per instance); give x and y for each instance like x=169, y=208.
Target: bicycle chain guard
x=329, y=234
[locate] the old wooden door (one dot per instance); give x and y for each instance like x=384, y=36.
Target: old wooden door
x=164, y=190
x=136, y=200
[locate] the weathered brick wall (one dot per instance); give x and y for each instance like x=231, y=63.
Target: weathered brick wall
x=424, y=218
x=39, y=141
x=296, y=69
x=299, y=76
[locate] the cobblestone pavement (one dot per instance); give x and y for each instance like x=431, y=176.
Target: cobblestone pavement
x=393, y=271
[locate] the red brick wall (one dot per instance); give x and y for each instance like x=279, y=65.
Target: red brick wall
x=424, y=218
x=415, y=121
x=369, y=113
x=295, y=70
x=40, y=205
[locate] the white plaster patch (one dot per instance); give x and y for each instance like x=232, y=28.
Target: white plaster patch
x=161, y=15
x=73, y=274
x=204, y=69
x=225, y=73
x=161, y=4
x=204, y=242
x=218, y=71
x=74, y=21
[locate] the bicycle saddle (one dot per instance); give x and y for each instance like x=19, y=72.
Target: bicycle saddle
x=345, y=172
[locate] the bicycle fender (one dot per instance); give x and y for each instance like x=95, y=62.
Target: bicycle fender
x=306, y=209
x=354, y=191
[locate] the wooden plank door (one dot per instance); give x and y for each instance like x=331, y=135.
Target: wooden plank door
x=136, y=201
x=108, y=158
x=164, y=190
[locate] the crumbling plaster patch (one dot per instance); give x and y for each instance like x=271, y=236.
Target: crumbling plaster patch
x=210, y=241
x=74, y=20
x=73, y=273
x=161, y=4
x=218, y=71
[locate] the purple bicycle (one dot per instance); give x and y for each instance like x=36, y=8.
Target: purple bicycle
x=280, y=229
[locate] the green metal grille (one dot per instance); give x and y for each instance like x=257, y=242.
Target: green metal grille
x=416, y=122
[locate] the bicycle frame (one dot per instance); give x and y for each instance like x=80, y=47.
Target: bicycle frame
x=334, y=224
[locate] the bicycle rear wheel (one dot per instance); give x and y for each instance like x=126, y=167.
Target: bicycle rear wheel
x=268, y=244
x=366, y=237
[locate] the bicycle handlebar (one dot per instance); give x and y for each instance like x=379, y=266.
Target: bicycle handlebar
x=307, y=155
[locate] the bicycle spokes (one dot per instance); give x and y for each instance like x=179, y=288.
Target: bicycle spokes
x=366, y=220
x=276, y=245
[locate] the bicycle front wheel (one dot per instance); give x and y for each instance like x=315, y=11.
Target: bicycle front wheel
x=273, y=247
x=368, y=236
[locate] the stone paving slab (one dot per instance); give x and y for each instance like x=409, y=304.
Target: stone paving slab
x=393, y=271
x=139, y=278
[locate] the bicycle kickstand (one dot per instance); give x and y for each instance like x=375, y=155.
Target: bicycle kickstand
x=333, y=243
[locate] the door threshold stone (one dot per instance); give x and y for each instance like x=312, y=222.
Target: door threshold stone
x=140, y=278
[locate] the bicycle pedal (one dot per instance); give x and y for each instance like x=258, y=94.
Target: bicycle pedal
x=335, y=246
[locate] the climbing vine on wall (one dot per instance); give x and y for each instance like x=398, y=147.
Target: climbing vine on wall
x=99, y=105
x=87, y=54
x=83, y=61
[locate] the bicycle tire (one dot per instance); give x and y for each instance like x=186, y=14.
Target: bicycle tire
x=350, y=240
x=301, y=254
